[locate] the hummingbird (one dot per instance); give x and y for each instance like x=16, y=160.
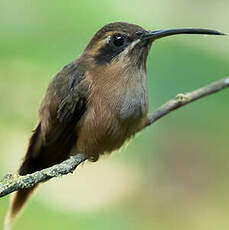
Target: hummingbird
x=95, y=103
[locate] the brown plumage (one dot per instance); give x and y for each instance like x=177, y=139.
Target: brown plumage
x=95, y=103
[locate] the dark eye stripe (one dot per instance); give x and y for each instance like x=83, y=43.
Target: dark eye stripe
x=111, y=49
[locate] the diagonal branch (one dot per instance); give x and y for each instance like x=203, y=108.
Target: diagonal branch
x=184, y=99
x=11, y=183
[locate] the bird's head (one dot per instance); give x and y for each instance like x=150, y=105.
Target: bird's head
x=128, y=44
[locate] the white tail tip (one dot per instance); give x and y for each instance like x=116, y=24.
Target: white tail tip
x=7, y=223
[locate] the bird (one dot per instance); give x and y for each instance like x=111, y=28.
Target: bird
x=95, y=103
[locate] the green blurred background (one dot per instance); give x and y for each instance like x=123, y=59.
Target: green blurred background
x=174, y=175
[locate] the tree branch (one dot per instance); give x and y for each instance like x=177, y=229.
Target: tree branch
x=184, y=99
x=11, y=183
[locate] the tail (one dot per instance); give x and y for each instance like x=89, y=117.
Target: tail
x=28, y=166
x=17, y=202
x=41, y=154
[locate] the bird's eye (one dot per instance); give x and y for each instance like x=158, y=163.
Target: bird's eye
x=119, y=40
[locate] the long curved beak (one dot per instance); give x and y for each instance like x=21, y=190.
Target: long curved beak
x=153, y=35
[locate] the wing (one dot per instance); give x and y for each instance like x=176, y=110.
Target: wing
x=61, y=109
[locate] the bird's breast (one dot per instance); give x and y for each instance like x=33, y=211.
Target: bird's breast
x=133, y=104
x=113, y=115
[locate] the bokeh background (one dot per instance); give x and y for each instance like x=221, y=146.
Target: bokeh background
x=174, y=175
